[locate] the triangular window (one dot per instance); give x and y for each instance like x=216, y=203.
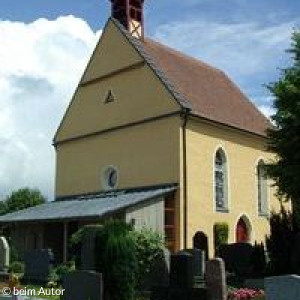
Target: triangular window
x=109, y=97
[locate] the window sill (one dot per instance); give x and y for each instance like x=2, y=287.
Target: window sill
x=264, y=215
x=222, y=210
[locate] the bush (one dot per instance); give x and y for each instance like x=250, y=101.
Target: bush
x=14, y=255
x=17, y=267
x=124, y=256
x=79, y=238
x=221, y=233
x=237, y=258
x=149, y=249
x=117, y=260
x=57, y=273
x=280, y=242
x=259, y=259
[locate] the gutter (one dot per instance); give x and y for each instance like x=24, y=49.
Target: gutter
x=184, y=116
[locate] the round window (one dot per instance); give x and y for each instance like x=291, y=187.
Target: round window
x=111, y=178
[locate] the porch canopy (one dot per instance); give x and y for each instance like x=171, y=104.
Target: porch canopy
x=92, y=206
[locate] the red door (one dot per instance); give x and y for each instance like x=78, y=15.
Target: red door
x=242, y=235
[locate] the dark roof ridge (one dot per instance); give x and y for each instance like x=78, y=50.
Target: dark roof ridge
x=200, y=88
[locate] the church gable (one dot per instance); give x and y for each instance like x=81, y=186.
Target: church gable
x=111, y=54
x=117, y=88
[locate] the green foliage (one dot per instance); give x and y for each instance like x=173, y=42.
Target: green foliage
x=78, y=239
x=13, y=253
x=221, y=233
x=57, y=273
x=117, y=260
x=17, y=267
x=285, y=137
x=124, y=256
x=21, y=199
x=3, y=208
x=149, y=248
x=280, y=242
x=258, y=259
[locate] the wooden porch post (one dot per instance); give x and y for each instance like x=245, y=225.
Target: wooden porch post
x=65, y=242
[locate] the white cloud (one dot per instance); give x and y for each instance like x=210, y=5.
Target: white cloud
x=41, y=63
x=250, y=53
x=240, y=49
x=267, y=110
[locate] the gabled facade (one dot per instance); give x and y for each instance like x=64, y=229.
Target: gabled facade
x=169, y=118
x=173, y=134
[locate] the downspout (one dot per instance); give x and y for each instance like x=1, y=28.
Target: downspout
x=184, y=117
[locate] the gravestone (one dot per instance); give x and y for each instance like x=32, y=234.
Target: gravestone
x=88, y=253
x=38, y=264
x=200, y=242
x=159, y=273
x=215, y=278
x=83, y=285
x=199, y=263
x=181, y=276
x=238, y=258
x=182, y=270
x=295, y=255
x=4, y=254
x=282, y=287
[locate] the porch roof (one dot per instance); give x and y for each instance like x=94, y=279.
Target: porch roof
x=91, y=206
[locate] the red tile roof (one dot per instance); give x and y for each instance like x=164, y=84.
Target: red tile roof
x=207, y=90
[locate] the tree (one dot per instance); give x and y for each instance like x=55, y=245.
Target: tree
x=21, y=199
x=285, y=136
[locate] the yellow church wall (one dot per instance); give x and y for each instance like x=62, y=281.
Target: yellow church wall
x=138, y=96
x=146, y=154
x=138, y=92
x=243, y=151
x=112, y=53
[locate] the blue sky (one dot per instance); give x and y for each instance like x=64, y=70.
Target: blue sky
x=95, y=12
x=45, y=45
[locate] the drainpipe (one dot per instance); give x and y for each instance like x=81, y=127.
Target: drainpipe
x=184, y=117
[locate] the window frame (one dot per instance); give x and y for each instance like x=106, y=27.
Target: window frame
x=106, y=176
x=262, y=189
x=225, y=181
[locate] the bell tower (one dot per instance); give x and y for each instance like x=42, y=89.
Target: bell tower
x=130, y=14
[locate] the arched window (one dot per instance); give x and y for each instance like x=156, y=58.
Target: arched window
x=262, y=188
x=221, y=181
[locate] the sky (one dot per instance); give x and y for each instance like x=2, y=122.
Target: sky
x=45, y=46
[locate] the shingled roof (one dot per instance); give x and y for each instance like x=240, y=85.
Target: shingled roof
x=205, y=90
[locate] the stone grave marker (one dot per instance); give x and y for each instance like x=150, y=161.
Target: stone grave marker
x=199, y=264
x=83, y=285
x=159, y=273
x=282, y=287
x=88, y=253
x=237, y=258
x=38, y=264
x=4, y=254
x=200, y=241
x=215, y=278
x=182, y=270
x=181, y=276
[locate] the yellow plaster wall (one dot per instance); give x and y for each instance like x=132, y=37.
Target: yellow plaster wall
x=243, y=152
x=139, y=94
x=147, y=154
x=113, y=52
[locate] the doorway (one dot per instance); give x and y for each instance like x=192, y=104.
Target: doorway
x=243, y=230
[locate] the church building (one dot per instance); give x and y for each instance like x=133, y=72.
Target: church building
x=159, y=139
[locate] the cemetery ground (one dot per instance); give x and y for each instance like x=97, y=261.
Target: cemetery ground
x=113, y=261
